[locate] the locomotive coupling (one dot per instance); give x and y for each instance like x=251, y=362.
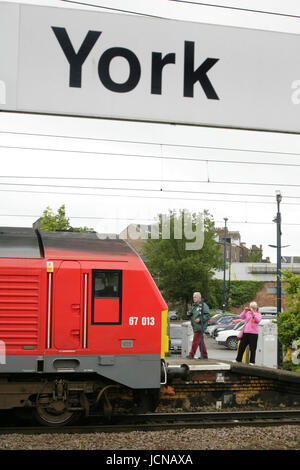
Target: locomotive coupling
x=179, y=372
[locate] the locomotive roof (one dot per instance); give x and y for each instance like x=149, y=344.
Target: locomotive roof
x=24, y=242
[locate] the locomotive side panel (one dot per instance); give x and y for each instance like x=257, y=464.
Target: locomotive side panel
x=22, y=299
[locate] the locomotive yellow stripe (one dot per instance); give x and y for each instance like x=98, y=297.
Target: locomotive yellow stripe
x=164, y=336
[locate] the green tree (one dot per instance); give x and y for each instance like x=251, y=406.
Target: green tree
x=240, y=292
x=289, y=322
x=254, y=255
x=178, y=269
x=51, y=221
x=244, y=291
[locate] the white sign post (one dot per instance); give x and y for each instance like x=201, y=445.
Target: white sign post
x=88, y=63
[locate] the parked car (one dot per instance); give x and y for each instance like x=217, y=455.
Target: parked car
x=213, y=320
x=215, y=312
x=172, y=315
x=220, y=321
x=229, y=338
x=227, y=326
x=268, y=310
x=175, y=338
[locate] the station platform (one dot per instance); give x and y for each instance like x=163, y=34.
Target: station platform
x=198, y=364
x=201, y=382
x=238, y=367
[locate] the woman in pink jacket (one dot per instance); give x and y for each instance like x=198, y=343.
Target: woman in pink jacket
x=250, y=332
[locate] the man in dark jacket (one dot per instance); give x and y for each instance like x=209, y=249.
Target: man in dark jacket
x=199, y=315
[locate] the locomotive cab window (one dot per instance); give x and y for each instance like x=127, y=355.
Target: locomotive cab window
x=107, y=297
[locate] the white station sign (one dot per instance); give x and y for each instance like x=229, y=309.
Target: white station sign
x=85, y=63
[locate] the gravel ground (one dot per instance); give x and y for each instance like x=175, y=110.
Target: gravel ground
x=239, y=438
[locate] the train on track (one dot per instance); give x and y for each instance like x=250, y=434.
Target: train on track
x=81, y=322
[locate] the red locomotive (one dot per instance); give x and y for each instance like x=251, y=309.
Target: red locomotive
x=80, y=318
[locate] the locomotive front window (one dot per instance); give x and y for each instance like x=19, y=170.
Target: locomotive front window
x=107, y=284
x=107, y=297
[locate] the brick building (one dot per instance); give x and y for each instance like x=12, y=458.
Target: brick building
x=237, y=251
x=266, y=272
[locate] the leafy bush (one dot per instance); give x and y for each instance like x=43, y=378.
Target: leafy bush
x=240, y=292
x=244, y=291
x=289, y=322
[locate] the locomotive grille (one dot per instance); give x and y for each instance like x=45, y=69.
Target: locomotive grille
x=19, y=307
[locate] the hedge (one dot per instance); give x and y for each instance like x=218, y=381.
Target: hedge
x=241, y=292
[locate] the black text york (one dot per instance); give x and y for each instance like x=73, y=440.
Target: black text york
x=191, y=74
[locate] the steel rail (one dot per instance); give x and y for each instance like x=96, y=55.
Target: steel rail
x=168, y=421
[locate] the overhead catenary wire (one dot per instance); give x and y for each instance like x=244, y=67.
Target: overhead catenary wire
x=139, y=196
x=252, y=222
x=190, y=2
x=78, y=217
x=211, y=181
x=160, y=157
x=159, y=144
x=289, y=185
x=120, y=10
x=230, y=7
x=148, y=180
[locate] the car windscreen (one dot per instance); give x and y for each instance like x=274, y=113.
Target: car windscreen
x=239, y=325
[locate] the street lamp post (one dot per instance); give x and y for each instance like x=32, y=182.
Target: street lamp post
x=278, y=283
x=278, y=219
x=226, y=241
x=229, y=272
x=224, y=278
x=278, y=199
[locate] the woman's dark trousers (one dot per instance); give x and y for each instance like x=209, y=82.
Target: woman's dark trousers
x=251, y=340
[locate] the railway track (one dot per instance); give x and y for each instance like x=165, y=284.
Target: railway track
x=167, y=421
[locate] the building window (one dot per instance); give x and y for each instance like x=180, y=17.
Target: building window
x=271, y=290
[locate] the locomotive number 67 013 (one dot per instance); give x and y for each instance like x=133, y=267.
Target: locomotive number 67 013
x=144, y=321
